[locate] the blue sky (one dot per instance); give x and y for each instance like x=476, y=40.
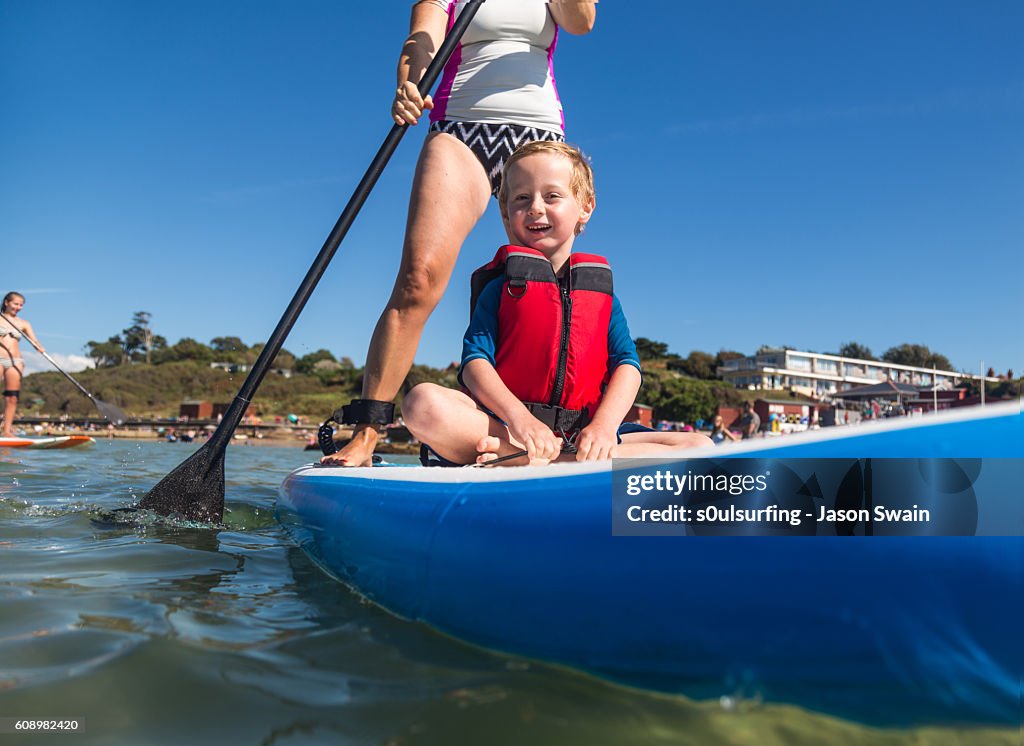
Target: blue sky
x=801, y=173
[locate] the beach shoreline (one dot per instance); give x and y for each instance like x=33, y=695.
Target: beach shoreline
x=280, y=438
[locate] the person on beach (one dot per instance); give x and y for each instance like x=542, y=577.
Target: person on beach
x=497, y=92
x=547, y=361
x=750, y=421
x=12, y=329
x=719, y=432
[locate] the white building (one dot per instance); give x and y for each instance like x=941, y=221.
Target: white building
x=817, y=374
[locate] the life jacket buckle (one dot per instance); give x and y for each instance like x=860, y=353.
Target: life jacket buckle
x=516, y=284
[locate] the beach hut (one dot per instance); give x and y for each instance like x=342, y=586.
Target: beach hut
x=195, y=409
x=641, y=413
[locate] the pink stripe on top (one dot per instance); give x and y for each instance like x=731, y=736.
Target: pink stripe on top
x=551, y=74
x=502, y=72
x=444, y=90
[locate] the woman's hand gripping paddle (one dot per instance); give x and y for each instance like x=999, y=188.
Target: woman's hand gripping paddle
x=108, y=411
x=195, y=489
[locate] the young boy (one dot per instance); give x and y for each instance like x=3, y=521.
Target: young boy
x=547, y=360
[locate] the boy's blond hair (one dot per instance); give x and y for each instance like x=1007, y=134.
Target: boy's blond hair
x=581, y=183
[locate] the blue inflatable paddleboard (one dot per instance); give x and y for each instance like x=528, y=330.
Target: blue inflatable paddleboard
x=861, y=619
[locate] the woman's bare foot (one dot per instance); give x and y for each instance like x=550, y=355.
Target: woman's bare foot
x=358, y=451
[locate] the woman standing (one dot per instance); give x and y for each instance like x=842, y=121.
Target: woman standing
x=497, y=92
x=13, y=329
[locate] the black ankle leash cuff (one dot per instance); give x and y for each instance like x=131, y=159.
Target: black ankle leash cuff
x=356, y=412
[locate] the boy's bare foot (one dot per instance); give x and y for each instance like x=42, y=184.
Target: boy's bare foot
x=358, y=451
x=491, y=448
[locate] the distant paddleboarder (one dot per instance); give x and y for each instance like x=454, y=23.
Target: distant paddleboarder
x=12, y=329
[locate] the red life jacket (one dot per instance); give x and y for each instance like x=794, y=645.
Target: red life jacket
x=552, y=346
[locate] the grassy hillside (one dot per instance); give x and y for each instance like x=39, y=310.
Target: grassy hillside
x=145, y=391
x=157, y=390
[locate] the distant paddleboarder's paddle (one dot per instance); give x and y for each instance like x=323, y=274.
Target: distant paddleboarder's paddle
x=108, y=411
x=195, y=489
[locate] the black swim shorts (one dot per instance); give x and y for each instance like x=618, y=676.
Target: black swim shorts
x=493, y=143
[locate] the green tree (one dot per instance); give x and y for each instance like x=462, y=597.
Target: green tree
x=683, y=399
x=916, y=355
x=228, y=344
x=648, y=349
x=185, y=349
x=191, y=349
x=941, y=362
x=697, y=364
x=724, y=355
x=283, y=359
x=139, y=340
x=106, y=354
x=857, y=350
x=306, y=363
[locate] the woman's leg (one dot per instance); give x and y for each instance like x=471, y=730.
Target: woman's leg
x=449, y=195
x=448, y=421
x=12, y=382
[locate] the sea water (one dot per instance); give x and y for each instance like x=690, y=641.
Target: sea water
x=163, y=633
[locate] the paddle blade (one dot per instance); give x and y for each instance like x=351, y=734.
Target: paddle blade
x=109, y=412
x=194, y=490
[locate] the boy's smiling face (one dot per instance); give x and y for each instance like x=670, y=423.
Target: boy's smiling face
x=543, y=213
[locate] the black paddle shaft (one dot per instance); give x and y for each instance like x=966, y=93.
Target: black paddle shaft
x=236, y=411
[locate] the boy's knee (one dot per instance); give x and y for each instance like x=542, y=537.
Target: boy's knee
x=688, y=440
x=421, y=406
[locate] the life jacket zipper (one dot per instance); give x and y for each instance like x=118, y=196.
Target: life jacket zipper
x=563, y=347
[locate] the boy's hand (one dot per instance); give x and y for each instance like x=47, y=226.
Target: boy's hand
x=596, y=443
x=536, y=437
